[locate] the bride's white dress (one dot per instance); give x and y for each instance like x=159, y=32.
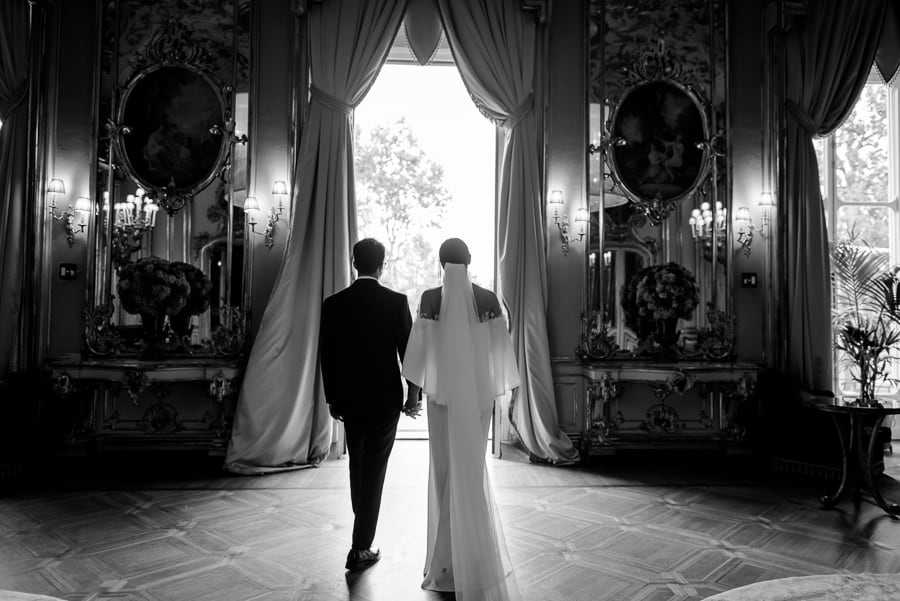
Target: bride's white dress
x=462, y=361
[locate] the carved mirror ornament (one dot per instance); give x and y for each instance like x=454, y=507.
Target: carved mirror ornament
x=657, y=141
x=174, y=124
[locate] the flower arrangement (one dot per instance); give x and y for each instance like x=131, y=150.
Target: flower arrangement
x=660, y=292
x=149, y=286
x=200, y=285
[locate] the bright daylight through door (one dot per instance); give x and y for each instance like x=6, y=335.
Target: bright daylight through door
x=424, y=166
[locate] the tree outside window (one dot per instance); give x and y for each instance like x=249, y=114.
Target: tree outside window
x=401, y=199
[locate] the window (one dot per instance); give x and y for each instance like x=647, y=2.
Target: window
x=425, y=171
x=859, y=166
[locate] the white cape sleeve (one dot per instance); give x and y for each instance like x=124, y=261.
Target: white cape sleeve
x=420, y=360
x=502, y=358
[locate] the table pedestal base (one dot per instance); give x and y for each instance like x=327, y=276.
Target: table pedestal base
x=856, y=458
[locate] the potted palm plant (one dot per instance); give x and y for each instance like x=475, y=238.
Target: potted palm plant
x=866, y=322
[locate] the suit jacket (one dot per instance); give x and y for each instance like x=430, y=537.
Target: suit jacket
x=486, y=303
x=362, y=340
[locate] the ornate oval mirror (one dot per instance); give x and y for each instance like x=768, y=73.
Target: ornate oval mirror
x=658, y=151
x=171, y=130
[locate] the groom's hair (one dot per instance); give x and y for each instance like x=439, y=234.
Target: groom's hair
x=454, y=250
x=368, y=256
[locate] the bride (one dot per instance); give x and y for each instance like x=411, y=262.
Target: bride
x=460, y=354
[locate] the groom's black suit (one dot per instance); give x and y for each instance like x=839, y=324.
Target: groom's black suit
x=363, y=336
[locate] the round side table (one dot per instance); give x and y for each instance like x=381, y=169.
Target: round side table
x=856, y=456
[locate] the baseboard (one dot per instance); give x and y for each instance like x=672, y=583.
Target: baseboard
x=816, y=471
x=804, y=468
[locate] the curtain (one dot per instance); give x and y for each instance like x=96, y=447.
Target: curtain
x=887, y=58
x=14, y=28
x=496, y=48
x=829, y=53
x=281, y=419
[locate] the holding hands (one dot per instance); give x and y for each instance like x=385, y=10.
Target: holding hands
x=413, y=406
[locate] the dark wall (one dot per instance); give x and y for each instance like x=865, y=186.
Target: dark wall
x=71, y=150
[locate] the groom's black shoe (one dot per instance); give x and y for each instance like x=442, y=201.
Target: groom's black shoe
x=360, y=559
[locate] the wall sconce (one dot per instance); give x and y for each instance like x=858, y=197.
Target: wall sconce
x=81, y=210
x=279, y=189
x=582, y=217
x=562, y=222
x=766, y=201
x=251, y=208
x=745, y=226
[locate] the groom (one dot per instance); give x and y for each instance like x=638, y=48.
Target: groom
x=362, y=340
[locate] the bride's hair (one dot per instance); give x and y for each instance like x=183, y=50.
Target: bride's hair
x=454, y=250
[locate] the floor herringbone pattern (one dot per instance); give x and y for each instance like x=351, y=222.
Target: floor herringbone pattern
x=640, y=530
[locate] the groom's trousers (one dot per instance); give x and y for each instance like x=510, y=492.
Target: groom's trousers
x=369, y=445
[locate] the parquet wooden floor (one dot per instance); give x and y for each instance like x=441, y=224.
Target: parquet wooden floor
x=655, y=528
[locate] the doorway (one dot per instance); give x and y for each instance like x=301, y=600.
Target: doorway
x=424, y=161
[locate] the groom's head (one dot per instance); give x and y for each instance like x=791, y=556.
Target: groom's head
x=368, y=257
x=454, y=250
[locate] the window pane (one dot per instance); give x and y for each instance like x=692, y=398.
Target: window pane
x=861, y=150
x=851, y=389
x=867, y=224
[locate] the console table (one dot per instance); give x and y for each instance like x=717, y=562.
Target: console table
x=668, y=405
x=856, y=456
x=138, y=404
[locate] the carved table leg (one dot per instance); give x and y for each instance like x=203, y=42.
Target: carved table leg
x=856, y=464
x=220, y=388
x=597, y=429
x=892, y=509
x=830, y=500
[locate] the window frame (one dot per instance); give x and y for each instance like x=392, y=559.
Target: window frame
x=832, y=204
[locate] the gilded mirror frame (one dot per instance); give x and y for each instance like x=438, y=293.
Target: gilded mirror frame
x=215, y=47
x=658, y=152
x=686, y=57
x=161, y=136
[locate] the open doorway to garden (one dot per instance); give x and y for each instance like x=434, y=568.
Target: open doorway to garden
x=424, y=161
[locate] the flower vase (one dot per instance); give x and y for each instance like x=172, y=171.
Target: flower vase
x=666, y=336
x=181, y=324
x=153, y=334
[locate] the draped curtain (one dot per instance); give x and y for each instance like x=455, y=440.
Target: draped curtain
x=887, y=58
x=14, y=29
x=829, y=53
x=496, y=49
x=281, y=420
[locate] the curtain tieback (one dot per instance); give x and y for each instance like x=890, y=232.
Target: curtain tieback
x=519, y=114
x=802, y=119
x=6, y=108
x=326, y=99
